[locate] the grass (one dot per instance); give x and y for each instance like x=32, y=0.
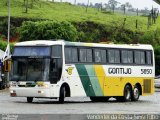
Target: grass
x=67, y=12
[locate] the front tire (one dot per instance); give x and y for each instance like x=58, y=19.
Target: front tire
x=29, y=99
x=135, y=93
x=127, y=93
x=62, y=95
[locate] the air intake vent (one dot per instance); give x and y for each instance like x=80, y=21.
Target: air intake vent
x=147, y=86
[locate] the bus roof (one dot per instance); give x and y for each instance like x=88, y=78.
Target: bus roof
x=67, y=43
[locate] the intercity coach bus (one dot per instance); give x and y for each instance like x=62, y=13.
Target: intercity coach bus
x=59, y=69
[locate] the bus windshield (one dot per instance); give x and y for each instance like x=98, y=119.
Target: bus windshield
x=31, y=51
x=30, y=69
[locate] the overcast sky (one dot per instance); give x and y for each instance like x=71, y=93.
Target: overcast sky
x=135, y=3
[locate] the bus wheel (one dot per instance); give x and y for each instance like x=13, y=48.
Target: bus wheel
x=62, y=95
x=29, y=99
x=135, y=93
x=127, y=93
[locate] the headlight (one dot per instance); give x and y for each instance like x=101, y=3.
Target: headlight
x=42, y=84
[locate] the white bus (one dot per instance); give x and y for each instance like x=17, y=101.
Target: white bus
x=59, y=69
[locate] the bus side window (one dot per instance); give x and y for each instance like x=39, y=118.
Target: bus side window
x=139, y=57
x=148, y=57
x=114, y=56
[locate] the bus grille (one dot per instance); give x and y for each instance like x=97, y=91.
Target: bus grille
x=147, y=86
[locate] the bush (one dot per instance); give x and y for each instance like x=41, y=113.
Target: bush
x=157, y=59
x=91, y=32
x=147, y=38
x=47, y=30
x=4, y=29
x=3, y=45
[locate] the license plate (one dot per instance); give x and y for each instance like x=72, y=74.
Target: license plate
x=13, y=94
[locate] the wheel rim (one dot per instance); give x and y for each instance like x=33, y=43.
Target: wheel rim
x=136, y=93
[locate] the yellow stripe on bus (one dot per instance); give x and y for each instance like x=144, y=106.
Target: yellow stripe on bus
x=100, y=75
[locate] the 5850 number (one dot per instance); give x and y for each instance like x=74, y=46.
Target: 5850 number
x=146, y=71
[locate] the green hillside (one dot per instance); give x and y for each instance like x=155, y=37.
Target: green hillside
x=48, y=20
x=72, y=13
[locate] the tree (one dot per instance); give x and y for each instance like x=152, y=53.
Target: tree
x=87, y=6
x=128, y=5
x=106, y=6
x=113, y=4
x=123, y=7
x=26, y=6
x=97, y=5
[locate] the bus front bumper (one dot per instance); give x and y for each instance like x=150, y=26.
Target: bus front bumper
x=29, y=92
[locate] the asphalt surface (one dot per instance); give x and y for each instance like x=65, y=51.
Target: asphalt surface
x=80, y=108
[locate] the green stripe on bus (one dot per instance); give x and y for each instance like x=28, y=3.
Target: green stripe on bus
x=85, y=80
x=94, y=80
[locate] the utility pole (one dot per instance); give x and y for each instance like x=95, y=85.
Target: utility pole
x=8, y=46
x=9, y=20
x=6, y=55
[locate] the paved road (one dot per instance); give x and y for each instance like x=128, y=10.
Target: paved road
x=10, y=105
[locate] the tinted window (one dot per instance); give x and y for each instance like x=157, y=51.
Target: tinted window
x=89, y=55
x=100, y=56
x=139, y=57
x=56, y=51
x=68, y=54
x=114, y=56
x=97, y=54
x=124, y=56
x=83, y=55
x=127, y=56
x=103, y=53
x=148, y=57
x=31, y=51
x=111, y=56
x=86, y=55
x=117, y=56
x=142, y=57
x=74, y=55
x=71, y=54
x=130, y=56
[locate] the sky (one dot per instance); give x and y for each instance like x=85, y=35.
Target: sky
x=141, y=4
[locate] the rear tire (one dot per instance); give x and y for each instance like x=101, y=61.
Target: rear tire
x=62, y=95
x=29, y=99
x=135, y=93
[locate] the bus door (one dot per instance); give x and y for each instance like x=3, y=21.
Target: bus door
x=56, y=64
